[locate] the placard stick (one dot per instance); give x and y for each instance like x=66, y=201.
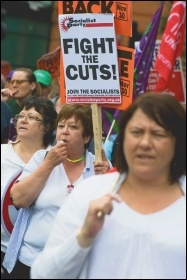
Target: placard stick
x=100, y=125
x=96, y=118
x=112, y=125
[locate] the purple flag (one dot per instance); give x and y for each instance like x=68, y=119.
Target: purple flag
x=108, y=115
x=144, y=54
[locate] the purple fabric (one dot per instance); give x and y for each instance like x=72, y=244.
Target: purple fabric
x=144, y=54
x=9, y=75
x=108, y=115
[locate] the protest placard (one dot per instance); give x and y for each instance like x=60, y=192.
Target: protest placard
x=122, y=11
x=123, y=25
x=50, y=62
x=92, y=75
x=126, y=77
x=126, y=72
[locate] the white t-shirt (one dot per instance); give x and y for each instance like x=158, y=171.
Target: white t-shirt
x=130, y=245
x=45, y=208
x=11, y=166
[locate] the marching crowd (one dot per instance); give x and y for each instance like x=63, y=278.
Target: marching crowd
x=123, y=217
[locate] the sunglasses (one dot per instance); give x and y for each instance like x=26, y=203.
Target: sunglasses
x=18, y=82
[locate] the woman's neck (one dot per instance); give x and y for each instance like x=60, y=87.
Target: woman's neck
x=77, y=159
x=25, y=149
x=155, y=179
x=149, y=196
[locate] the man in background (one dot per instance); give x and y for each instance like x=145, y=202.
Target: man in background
x=6, y=115
x=43, y=77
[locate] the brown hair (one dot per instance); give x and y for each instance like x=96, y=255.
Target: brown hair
x=32, y=79
x=167, y=112
x=80, y=112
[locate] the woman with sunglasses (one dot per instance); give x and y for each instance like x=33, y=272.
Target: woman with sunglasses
x=22, y=85
x=35, y=125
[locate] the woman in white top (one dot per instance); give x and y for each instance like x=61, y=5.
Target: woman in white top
x=35, y=128
x=45, y=184
x=144, y=237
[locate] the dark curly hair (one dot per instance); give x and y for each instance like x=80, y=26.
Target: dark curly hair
x=46, y=108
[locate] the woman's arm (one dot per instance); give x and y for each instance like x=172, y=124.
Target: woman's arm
x=25, y=191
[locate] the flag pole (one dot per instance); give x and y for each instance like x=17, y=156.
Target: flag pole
x=112, y=125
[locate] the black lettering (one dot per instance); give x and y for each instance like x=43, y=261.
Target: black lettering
x=121, y=7
x=123, y=91
x=98, y=45
x=68, y=72
x=70, y=20
x=95, y=59
x=80, y=9
x=105, y=8
x=105, y=70
x=84, y=72
x=81, y=75
x=66, y=45
x=85, y=46
x=110, y=42
x=94, y=71
x=124, y=68
x=67, y=7
x=177, y=65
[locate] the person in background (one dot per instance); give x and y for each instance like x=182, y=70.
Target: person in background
x=128, y=224
x=8, y=79
x=23, y=84
x=35, y=126
x=109, y=146
x=43, y=77
x=6, y=115
x=52, y=177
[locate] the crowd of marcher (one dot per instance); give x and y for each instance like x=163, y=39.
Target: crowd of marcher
x=74, y=217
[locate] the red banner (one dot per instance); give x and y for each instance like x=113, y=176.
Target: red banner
x=171, y=45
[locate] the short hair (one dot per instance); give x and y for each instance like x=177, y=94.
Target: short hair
x=80, y=112
x=168, y=113
x=45, y=107
x=31, y=79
